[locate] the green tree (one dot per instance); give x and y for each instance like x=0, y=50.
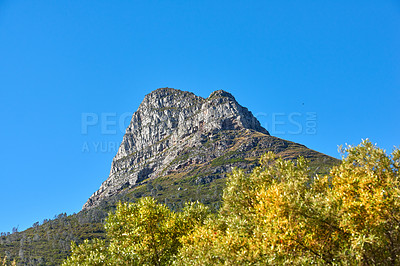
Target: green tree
x=143, y=233
x=279, y=214
x=365, y=194
x=282, y=214
x=266, y=217
x=90, y=252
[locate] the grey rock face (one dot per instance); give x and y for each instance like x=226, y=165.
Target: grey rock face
x=171, y=124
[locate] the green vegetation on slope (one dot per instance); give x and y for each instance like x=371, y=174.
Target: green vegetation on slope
x=48, y=243
x=280, y=213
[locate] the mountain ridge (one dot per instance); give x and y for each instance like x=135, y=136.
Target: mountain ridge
x=167, y=155
x=170, y=131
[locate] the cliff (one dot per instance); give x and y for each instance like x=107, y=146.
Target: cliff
x=178, y=134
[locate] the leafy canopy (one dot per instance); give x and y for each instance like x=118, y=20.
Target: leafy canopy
x=281, y=213
x=143, y=233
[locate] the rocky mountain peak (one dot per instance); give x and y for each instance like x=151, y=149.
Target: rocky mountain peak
x=175, y=131
x=175, y=113
x=221, y=93
x=166, y=122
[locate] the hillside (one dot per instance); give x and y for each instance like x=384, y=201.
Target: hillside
x=176, y=135
x=178, y=147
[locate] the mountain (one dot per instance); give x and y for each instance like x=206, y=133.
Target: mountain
x=178, y=147
x=176, y=135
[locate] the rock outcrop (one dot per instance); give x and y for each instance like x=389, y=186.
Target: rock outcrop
x=176, y=131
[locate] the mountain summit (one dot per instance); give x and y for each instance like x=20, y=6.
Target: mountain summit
x=177, y=148
x=176, y=134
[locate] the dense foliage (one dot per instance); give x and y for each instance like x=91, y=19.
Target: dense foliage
x=281, y=213
x=48, y=242
x=143, y=233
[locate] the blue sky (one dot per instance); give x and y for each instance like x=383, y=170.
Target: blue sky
x=321, y=73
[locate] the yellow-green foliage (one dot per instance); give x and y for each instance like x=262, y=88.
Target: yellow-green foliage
x=4, y=262
x=143, y=233
x=365, y=195
x=279, y=214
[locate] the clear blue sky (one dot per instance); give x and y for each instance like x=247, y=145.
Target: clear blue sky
x=285, y=60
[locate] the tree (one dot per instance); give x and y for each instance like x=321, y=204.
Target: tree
x=365, y=194
x=282, y=214
x=267, y=217
x=142, y=233
x=90, y=252
x=35, y=225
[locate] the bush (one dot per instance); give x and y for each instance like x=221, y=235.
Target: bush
x=142, y=233
x=281, y=213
